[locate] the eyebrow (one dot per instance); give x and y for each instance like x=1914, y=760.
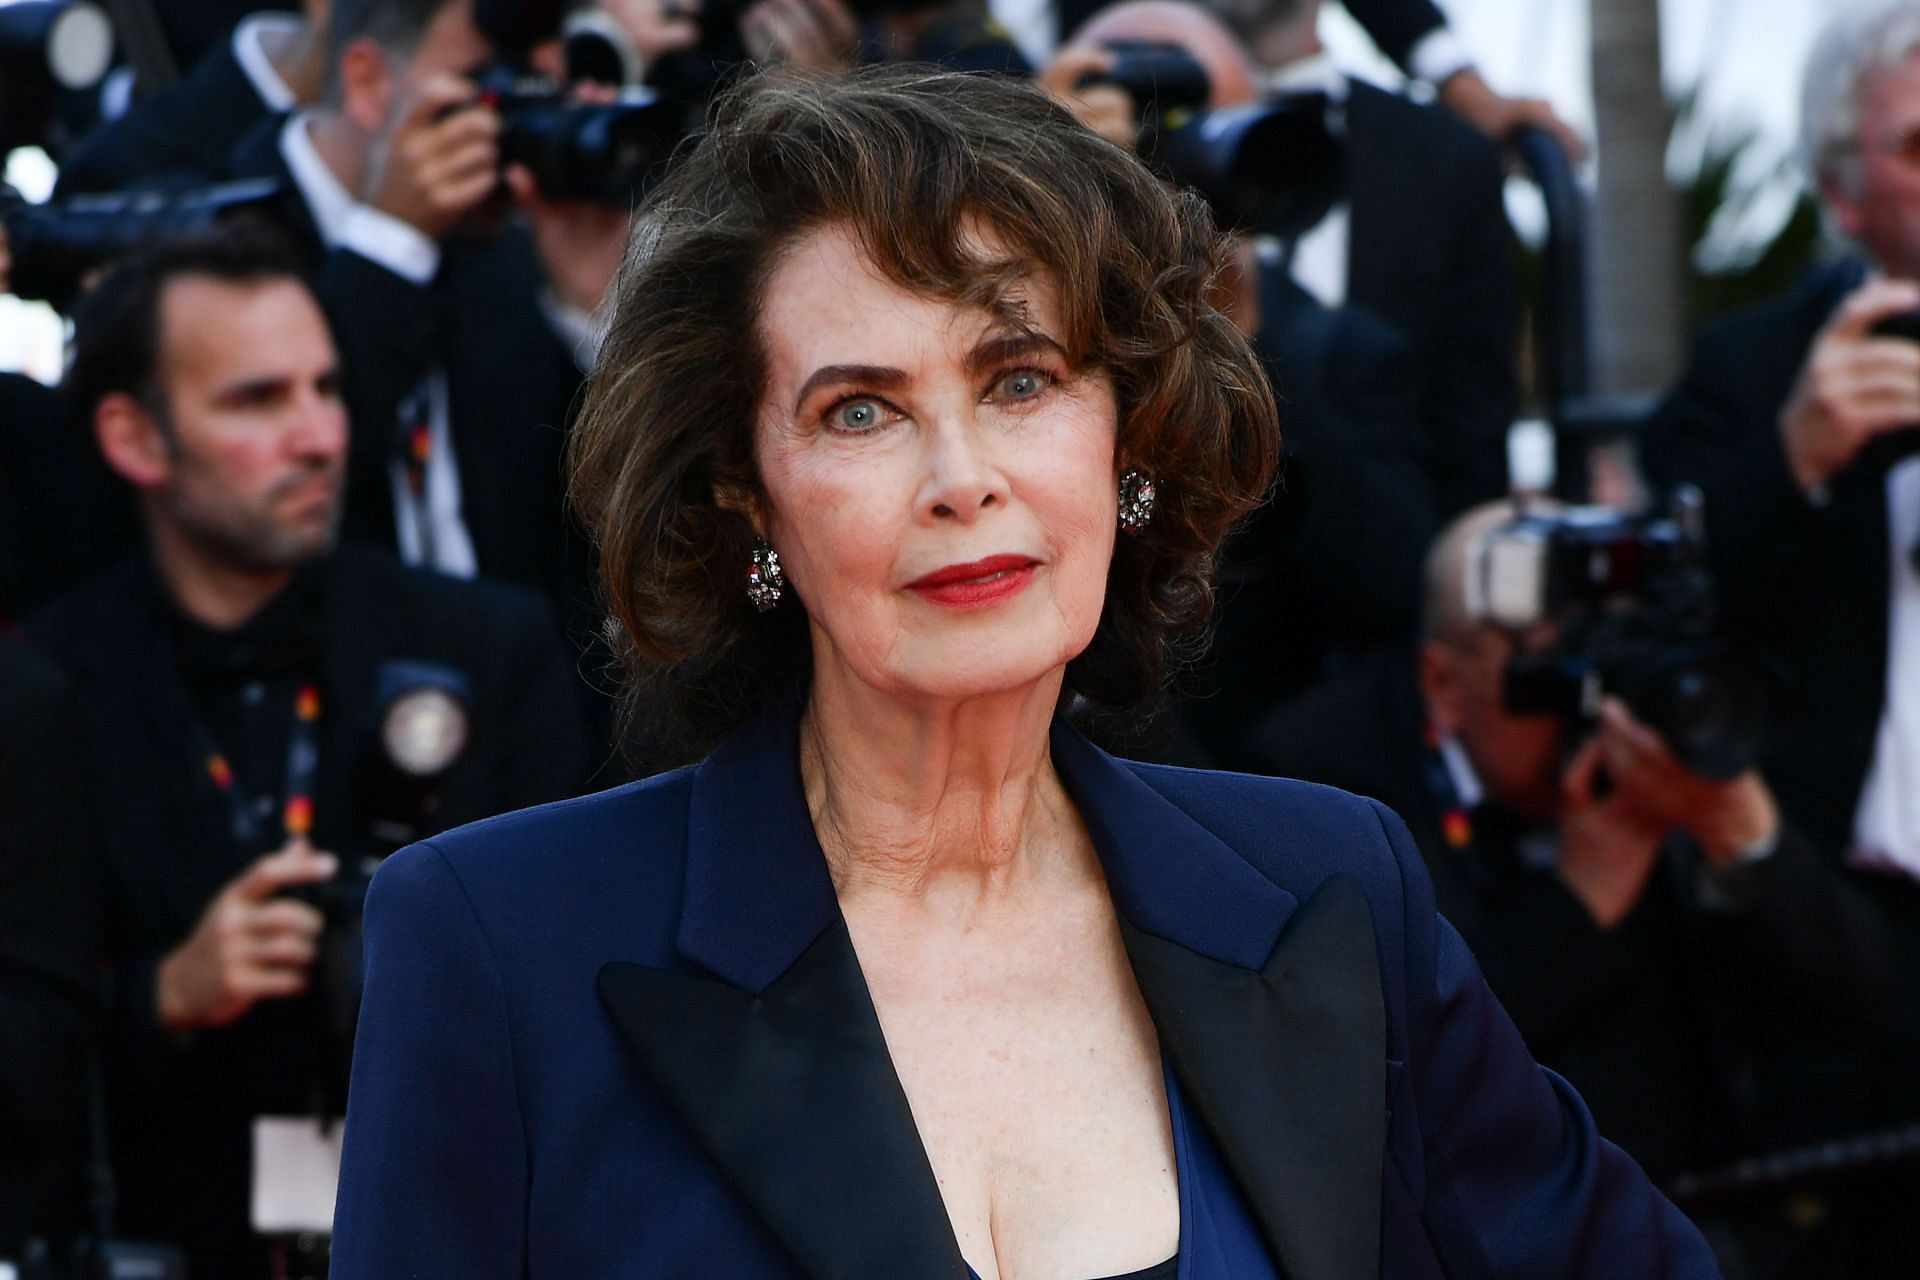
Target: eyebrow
x=992, y=352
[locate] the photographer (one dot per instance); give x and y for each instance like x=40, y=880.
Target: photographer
x=267, y=716
x=1637, y=918
x=436, y=292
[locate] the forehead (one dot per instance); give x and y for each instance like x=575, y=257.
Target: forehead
x=827, y=302
x=220, y=329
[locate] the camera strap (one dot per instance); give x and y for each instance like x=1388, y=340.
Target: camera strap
x=303, y=761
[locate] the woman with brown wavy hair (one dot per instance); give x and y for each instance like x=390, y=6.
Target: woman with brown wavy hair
x=915, y=425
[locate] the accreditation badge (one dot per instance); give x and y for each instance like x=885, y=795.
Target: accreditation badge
x=296, y=1170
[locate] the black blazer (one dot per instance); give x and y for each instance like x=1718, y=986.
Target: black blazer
x=1430, y=253
x=180, y=1106
x=628, y=1036
x=182, y=135
x=1803, y=584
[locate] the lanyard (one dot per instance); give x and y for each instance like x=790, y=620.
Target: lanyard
x=415, y=448
x=1456, y=824
x=303, y=759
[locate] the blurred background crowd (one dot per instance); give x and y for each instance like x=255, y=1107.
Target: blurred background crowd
x=1626, y=627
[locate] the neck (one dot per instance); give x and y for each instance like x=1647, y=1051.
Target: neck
x=1288, y=42
x=300, y=60
x=214, y=593
x=948, y=799
x=341, y=147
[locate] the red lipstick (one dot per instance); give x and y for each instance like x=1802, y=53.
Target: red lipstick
x=976, y=584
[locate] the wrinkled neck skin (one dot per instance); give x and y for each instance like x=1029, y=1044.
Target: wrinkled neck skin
x=948, y=805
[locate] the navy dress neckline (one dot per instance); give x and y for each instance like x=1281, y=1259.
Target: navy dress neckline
x=1218, y=1239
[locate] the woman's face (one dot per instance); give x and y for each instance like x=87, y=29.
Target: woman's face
x=939, y=486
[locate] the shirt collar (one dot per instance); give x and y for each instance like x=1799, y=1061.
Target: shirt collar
x=328, y=200
x=1315, y=73
x=1467, y=787
x=249, y=50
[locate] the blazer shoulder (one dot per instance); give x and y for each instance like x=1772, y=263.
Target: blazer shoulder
x=1294, y=833
x=549, y=841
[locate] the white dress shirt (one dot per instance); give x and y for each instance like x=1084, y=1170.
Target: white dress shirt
x=250, y=51
x=430, y=530
x=1886, y=824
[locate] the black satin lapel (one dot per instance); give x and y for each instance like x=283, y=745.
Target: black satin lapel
x=1287, y=1068
x=792, y=1093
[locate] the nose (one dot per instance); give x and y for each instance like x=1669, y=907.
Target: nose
x=963, y=478
x=320, y=426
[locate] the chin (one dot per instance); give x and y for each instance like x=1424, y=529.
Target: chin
x=980, y=667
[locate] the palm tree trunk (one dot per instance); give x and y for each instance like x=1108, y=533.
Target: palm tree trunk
x=1638, y=322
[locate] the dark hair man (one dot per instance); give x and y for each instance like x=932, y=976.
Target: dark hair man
x=267, y=715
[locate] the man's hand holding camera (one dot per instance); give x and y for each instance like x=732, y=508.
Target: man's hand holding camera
x=250, y=944
x=1855, y=386
x=441, y=162
x=1611, y=833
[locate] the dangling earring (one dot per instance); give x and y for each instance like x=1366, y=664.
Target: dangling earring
x=1136, y=500
x=764, y=579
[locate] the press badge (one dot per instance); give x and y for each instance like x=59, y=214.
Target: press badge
x=296, y=1169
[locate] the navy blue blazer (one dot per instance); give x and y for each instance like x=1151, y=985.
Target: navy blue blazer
x=627, y=1036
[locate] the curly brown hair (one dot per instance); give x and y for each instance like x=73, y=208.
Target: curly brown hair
x=910, y=159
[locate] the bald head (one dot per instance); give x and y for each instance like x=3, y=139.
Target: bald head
x=1229, y=68
x=1445, y=616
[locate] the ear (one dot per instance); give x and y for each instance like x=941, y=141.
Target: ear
x=131, y=441
x=366, y=85
x=1440, y=686
x=738, y=501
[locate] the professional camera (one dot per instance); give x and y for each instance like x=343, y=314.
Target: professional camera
x=54, y=246
x=47, y=48
x=610, y=152
x=1631, y=603
x=1271, y=167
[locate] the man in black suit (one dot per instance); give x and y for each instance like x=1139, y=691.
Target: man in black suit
x=463, y=331
x=267, y=716
x=1629, y=914
x=1415, y=233
x=1800, y=423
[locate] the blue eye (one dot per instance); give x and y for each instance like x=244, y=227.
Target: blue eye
x=857, y=415
x=1022, y=384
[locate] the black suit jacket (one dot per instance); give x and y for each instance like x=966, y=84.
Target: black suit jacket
x=1804, y=584
x=182, y=134
x=511, y=385
x=1330, y=568
x=49, y=959
x=180, y=1106
x=1430, y=253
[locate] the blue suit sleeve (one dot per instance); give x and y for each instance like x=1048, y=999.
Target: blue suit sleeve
x=433, y=1179
x=1517, y=1182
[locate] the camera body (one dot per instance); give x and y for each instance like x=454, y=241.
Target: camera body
x=610, y=152
x=1630, y=603
x=55, y=246
x=1264, y=167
